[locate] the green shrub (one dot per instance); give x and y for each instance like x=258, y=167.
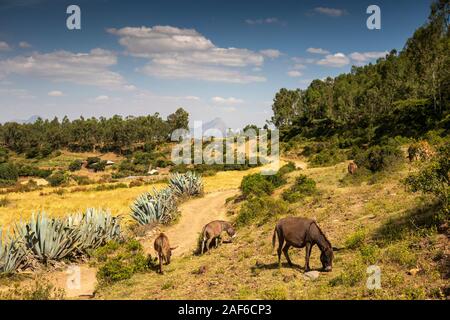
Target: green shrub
x=434, y=178
x=121, y=261
x=82, y=180
x=257, y=185
x=32, y=171
x=379, y=157
x=75, y=165
x=302, y=187
x=260, y=210
x=99, y=166
x=328, y=157
x=57, y=178
x=8, y=171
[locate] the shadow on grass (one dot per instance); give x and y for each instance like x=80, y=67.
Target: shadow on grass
x=419, y=221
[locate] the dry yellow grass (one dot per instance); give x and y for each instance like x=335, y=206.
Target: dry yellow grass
x=118, y=201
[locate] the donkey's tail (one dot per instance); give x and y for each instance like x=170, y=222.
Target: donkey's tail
x=274, y=237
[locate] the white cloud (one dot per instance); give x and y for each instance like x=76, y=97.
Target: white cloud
x=332, y=12
x=101, y=98
x=90, y=68
x=192, y=98
x=262, y=21
x=18, y=93
x=294, y=74
x=336, y=60
x=176, y=53
x=317, y=51
x=24, y=45
x=55, y=93
x=4, y=46
x=229, y=100
x=298, y=66
x=300, y=60
x=361, y=58
x=271, y=53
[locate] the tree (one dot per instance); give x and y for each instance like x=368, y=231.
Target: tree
x=178, y=120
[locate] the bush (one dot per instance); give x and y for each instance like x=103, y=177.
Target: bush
x=401, y=254
x=99, y=166
x=8, y=171
x=92, y=160
x=121, y=261
x=75, y=165
x=57, y=179
x=379, y=157
x=82, y=180
x=260, y=210
x=40, y=290
x=31, y=171
x=302, y=187
x=328, y=157
x=434, y=179
x=257, y=185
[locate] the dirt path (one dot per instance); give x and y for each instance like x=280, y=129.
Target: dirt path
x=194, y=215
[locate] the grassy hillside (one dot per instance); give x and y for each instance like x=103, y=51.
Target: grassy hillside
x=378, y=223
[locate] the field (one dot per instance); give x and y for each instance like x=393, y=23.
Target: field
x=376, y=222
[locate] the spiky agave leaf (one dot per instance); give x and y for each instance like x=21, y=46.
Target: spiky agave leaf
x=12, y=254
x=158, y=206
x=48, y=239
x=188, y=184
x=96, y=228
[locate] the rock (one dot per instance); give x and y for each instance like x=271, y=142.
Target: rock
x=413, y=271
x=311, y=275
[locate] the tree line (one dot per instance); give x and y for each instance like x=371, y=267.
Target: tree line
x=406, y=93
x=116, y=134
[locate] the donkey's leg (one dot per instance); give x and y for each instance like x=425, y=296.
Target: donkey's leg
x=203, y=245
x=160, y=263
x=308, y=254
x=280, y=246
x=208, y=243
x=286, y=254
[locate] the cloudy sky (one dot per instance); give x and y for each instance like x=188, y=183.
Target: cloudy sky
x=214, y=58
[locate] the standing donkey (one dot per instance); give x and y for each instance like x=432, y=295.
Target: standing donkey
x=213, y=230
x=302, y=232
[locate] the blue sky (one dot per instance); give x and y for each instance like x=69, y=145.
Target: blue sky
x=214, y=58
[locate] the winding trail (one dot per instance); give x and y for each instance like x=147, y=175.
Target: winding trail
x=194, y=215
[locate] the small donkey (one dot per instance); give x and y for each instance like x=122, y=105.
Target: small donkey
x=213, y=230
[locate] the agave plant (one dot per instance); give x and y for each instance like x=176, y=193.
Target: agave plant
x=158, y=206
x=48, y=239
x=12, y=254
x=188, y=184
x=95, y=228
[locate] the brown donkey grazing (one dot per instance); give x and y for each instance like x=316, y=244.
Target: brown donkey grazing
x=162, y=247
x=213, y=230
x=299, y=233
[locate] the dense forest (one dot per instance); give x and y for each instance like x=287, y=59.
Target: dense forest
x=406, y=93
x=116, y=134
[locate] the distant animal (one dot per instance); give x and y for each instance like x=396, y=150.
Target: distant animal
x=302, y=232
x=162, y=247
x=213, y=230
x=352, y=167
